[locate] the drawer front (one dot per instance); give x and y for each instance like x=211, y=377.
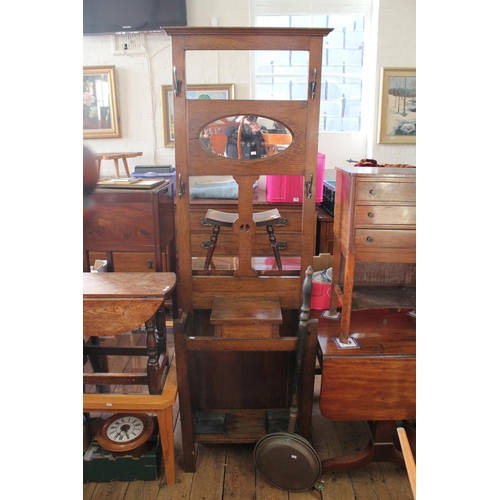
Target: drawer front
x=381, y=238
x=369, y=215
x=369, y=388
x=386, y=191
x=227, y=244
x=115, y=223
x=129, y=262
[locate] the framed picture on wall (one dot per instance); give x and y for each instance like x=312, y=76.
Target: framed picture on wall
x=220, y=91
x=100, y=108
x=398, y=106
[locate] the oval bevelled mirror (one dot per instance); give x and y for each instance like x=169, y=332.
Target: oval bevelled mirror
x=245, y=137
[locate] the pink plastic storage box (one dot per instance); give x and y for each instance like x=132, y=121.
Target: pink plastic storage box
x=290, y=188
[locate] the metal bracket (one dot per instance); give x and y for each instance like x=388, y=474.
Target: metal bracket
x=177, y=84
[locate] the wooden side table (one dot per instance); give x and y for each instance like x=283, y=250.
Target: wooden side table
x=114, y=303
x=115, y=157
x=374, y=383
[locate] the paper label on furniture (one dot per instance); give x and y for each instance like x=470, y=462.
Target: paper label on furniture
x=326, y=314
x=351, y=343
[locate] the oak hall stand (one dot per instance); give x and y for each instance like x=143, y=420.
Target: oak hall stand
x=232, y=382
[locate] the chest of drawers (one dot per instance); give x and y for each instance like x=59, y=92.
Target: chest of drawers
x=375, y=222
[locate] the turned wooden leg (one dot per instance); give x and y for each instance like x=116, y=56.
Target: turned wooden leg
x=161, y=330
x=153, y=367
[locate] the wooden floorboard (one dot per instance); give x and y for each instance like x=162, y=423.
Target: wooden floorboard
x=227, y=471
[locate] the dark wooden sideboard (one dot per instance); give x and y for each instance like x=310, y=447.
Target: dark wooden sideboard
x=132, y=228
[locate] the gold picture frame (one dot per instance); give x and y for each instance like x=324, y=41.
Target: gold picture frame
x=221, y=91
x=398, y=106
x=100, y=105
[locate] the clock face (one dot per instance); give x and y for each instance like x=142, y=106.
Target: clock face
x=124, y=429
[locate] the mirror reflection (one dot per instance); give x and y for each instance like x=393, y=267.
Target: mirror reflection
x=245, y=137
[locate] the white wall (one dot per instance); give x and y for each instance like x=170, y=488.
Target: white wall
x=395, y=36
x=139, y=79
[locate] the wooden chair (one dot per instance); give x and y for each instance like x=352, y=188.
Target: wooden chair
x=227, y=219
x=275, y=143
x=218, y=142
x=116, y=303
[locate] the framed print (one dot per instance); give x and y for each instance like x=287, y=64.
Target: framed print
x=398, y=106
x=222, y=91
x=100, y=109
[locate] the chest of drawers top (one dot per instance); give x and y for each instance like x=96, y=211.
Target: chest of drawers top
x=376, y=186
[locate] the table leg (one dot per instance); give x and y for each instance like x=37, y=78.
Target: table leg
x=166, y=429
x=380, y=449
x=99, y=364
x=185, y=409
x=153, y=368
x=125, y=164
x=345, y=319
x=117, y=168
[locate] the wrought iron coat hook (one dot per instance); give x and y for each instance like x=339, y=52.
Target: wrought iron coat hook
x=177, y=83
x=309, y=187
x=313, y=85
x=182, y=187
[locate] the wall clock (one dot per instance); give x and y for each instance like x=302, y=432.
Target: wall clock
x=124, y=432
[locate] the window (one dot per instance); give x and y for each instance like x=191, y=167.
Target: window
x=283, y=75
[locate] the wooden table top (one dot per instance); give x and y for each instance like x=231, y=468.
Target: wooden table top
x=113, y=156
x=380, y=332
x=115, y=303
x=127, y=285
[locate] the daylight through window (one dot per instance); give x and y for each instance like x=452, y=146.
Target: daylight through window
x=283, y=74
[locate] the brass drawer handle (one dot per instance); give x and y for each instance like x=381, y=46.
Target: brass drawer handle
x=205, y=244
x=369, y=239
x=150, y=264
x=371, y=215
x=372, y=191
